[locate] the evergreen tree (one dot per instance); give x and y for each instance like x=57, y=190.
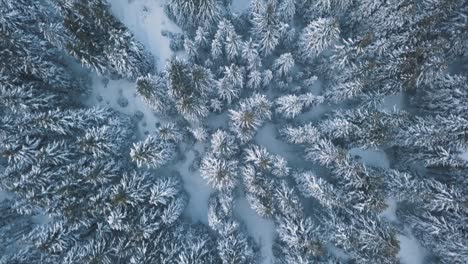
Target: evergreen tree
x=363, y=127
x=170, y=132
x=318, y=36
x=265, y=23
x=254, y=80
x=258, y=173
x=191, y=14
x=153, y=91
x=152, y=152
x=251, y=114
x=188, y=86
x=440, y=217
x=444, y=95
x=229, y=87
x=199, y=133
x=290, y=106
x=436, y=141
x=201, y=37
x=43, y=74
x=325, y=193
x=223, y=144
x=305, y=134
x=13, y=227
x=101, y=42
x=287, y=10
x=220, y=173
x=220, y=167
x=358, y=199
x=67, y=162
x=284, y=64
x=85, y=170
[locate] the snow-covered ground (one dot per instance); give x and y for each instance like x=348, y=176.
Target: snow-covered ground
x=262, y=230
x=197, y=188
x=239, y=6
x=108, y=93
x=266, y=137
x=464, y=155
x=392, y=102
x=375, y=158
x=3, y=195
x=410, y=251
x=146, y=19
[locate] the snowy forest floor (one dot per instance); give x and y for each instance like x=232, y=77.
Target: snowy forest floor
x=146, y=19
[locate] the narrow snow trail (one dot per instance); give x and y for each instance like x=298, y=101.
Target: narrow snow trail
x=146, y=19
x=262, y=230
x=266, y=137
x=197, y=188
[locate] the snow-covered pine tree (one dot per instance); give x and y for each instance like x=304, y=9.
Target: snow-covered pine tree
x=292, y=105
x=265, y=21
x=358, y=198
x=70, y=162
x=364, y=127
x=254, y=80
x=43, y=74
x=101, y=42
x=67, y=162
x=200, y=133
x=434, y=210
x=153, y=152
x=362, y=185
x=191, y=14
x=13, y=227
x=170, y=132
x=304, y=134
x=287, y=10
x=434, y=140
x=230, y=86
x=284, y=64
x=187, y=85
x=318, y=188
x=153, y=91
x=219, y=167
x=297, y=240
x=251, y=114
x=260, y=168
x=318, y=36
x=224, y=145
x=443, y=95
x=219, y=173
x=201, y=37
x=299, y=243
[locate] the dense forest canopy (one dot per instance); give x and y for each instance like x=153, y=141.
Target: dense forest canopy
x=82, y=183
